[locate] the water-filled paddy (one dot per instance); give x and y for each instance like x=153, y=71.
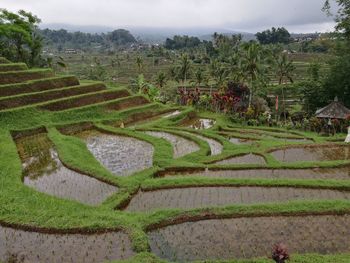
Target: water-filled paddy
x=244, y=159
x=32, y=247
x=44, y=172
x=324, y=153
x=121, y=155
x=239, y=141
x=198, y=123
x=215, y=146
x=199, y=197
x=342, y=173
x=251, y=237
x=172, y=114
x=181, y=146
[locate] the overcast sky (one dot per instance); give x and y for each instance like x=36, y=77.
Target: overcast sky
x=242, y=15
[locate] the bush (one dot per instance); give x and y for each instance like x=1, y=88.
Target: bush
x=280, y=253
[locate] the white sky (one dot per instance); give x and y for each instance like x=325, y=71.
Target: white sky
x=243, y=15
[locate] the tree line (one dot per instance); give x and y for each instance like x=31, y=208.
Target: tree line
x=63, y=38
x=21, y=40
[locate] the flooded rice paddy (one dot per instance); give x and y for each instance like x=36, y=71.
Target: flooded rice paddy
x=198, y=123
x=287, y=137
x=342, y=173
x=244, y=159
x=325, y=153
x=32, y=247
x=44, y=172
x=251, y=237
x=215, y=146
x=150, y=118
x=121, y=155
x=239, y=141
x=181, y=146
x=200, y=197
x=172, y=114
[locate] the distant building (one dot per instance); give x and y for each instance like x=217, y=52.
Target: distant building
x=70, y=51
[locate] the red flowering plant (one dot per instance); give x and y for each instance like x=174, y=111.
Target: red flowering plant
x=231, y=100
x=280, y=253
x=189, y=97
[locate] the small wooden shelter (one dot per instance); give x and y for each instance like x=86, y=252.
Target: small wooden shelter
x=335, y=110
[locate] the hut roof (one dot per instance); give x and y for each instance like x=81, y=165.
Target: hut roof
x=335, y=110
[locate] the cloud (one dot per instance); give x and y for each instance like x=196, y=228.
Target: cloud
x=247, y=15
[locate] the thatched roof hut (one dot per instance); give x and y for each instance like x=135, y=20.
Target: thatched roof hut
x=335, y=110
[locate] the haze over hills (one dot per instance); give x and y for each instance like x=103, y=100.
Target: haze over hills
x=151, y=35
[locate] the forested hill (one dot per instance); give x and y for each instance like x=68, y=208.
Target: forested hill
x=63, y=39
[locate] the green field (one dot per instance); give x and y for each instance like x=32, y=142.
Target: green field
x=91, y=172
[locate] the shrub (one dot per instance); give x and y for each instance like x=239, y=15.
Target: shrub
x=280, y=253
x=250, y=113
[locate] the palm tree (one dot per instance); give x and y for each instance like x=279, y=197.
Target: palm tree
x=139, y=84
x=284, y=69
x=139, y=63
x=251, y=64
x=199, y=76
x=219, y=73
x=235, y=68
x=161, y=80
x=184, y=68
x=284, y=72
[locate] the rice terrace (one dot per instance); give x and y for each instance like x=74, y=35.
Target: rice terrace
x=114, y=149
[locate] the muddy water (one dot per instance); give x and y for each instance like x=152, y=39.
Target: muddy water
x=199, y=124
x=251, y=237
x=44, y=172
x=121, y=155
x=297, y=140
x=31, y=247
x=215, y=146
x=329, y=153
x=181, y=146
x=244, y=159
x=316, y=173
x=172, y=114
x=239, y=141
x=275, y=135
x=199, y=197
x=149, y=119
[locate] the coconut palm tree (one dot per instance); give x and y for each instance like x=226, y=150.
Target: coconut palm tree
x=199, y=76
x=235, y=68
x=218, y=72
x=251, y=65
x=185, y=68
x=284, y=72
x=161, y=80
x=139, y=63
x=284, y=69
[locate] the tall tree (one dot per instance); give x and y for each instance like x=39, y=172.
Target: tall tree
x=273, y=36
x=160, y=79
x=284, y=72
x=251, y=65
x=185, y=68
x=284, y=68
x=337, y=82
x=218, y=72
x=199, y=76
x=139, y=63
x=343, y=15
x=19, y=38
